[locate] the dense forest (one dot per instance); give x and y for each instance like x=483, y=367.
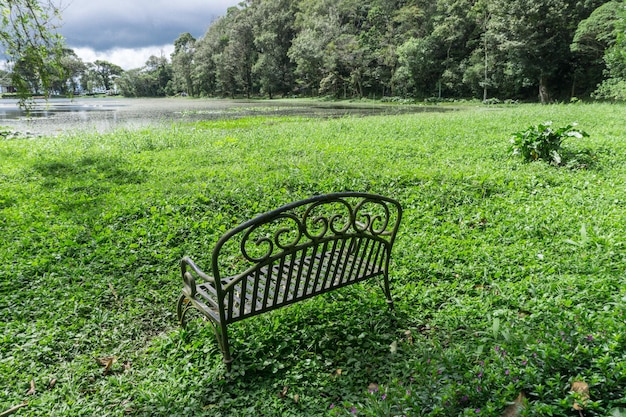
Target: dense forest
x=532, y=50
x=506, y=49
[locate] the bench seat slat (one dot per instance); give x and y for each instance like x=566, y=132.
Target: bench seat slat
x=283, y=281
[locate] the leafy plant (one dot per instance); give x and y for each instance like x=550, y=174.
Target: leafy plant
x=542, y=142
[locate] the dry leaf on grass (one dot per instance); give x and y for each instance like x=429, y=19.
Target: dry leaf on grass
x=107, y=362
x=113, y=291
x=31, y=391
x=516, y=407
x=582, y=389
x=373, y=387
x=283, y=393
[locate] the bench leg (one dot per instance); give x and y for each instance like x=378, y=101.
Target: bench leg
x=181, y=309
x=221, y=333
x=387, y=291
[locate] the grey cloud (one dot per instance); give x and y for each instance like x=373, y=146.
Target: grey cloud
x=105, y=25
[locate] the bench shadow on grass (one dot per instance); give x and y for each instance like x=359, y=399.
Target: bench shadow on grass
x=343, y=338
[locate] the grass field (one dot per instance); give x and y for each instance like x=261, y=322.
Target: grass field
x=509, y=277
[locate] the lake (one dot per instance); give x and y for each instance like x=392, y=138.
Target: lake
x=57, y=116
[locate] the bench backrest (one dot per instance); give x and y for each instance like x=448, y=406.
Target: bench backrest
x=303, y=249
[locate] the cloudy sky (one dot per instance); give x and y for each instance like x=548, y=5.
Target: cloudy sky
x=127, y=32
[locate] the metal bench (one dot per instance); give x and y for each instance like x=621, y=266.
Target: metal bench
x=290, y=254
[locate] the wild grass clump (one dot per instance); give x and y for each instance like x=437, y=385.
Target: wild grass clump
x=508, y=277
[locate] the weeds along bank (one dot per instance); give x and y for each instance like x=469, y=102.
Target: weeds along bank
x=508, y=276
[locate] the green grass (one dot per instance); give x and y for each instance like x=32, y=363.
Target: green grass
x=508, y=276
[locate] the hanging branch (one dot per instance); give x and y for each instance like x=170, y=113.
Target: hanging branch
x=31, y=45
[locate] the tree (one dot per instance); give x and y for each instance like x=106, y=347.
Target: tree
x=234, y=64
x=208, y=49
x=31, y=43
x=160, y=70
x=417, y=70
x=72, y=67
x=534, y=36
x=387, y=25
x=597, y=32
x=614, y=87
x=107, y=72
x=132, y=83
x=182, y=63
x=89, y=80
x=273, y=31
x=343, y=64
x=328, y=52
x=459, y=34
x=316, y=26
x=152, y=80
x=593, y=37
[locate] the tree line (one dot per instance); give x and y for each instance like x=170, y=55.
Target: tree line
x=505, y=49
x=419, y=49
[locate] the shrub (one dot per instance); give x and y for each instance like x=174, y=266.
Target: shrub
x=611, y=89
x=543, y=142
x=491, y=101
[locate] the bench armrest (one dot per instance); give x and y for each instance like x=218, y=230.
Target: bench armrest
x=189, y=270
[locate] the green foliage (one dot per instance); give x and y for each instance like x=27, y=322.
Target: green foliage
x=107, y=72
x=542, y=142
x=31, y=45
x=614, y=86
x=417, y=49
x=181, y=64
x=596, y=33
x=501, y=287
x=153, y=80
x=613, y=89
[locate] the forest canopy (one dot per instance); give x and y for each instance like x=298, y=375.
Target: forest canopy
x=506, y=49
x=546, y=50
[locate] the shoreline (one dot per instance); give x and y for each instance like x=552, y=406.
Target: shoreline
x=102, y=115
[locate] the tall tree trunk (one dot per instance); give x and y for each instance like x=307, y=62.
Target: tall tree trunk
x=486, y=62
x=543, y=90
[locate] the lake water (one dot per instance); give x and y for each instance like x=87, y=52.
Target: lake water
x=57, y=116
